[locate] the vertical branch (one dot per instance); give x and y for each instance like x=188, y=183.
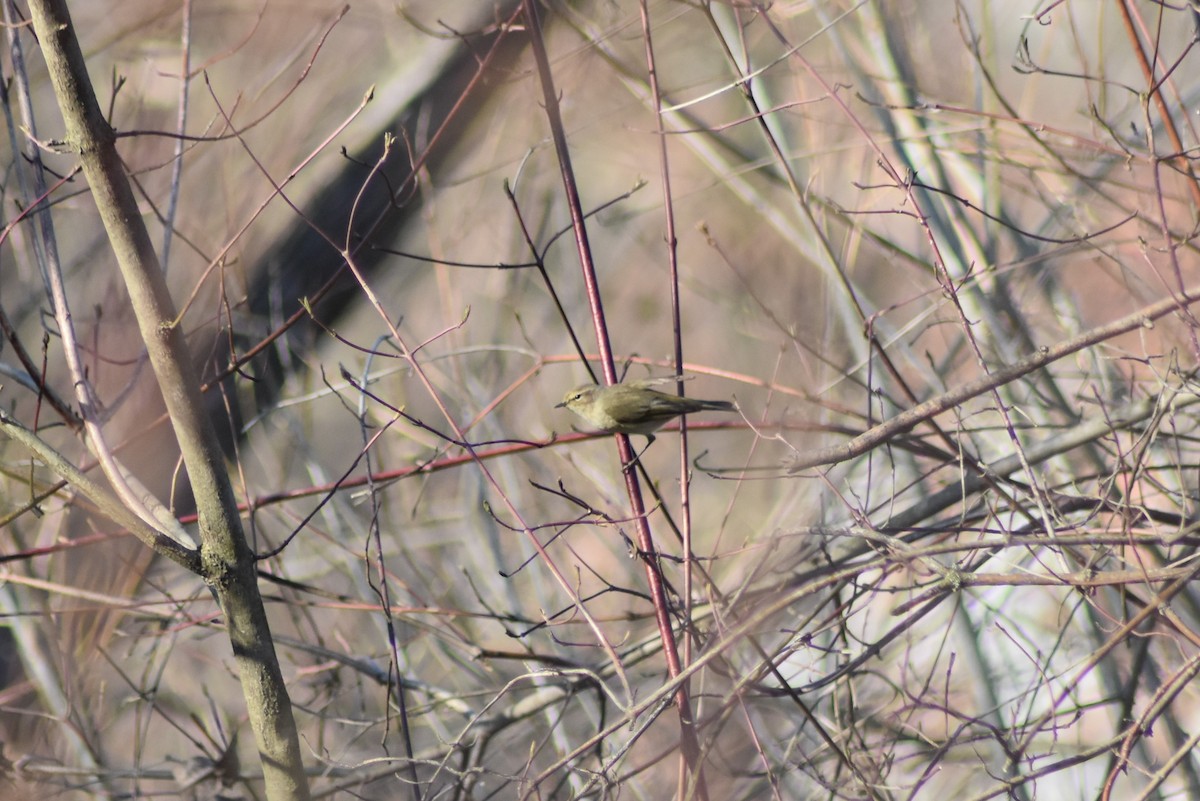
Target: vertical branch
x=689, y=743
x=227, y=562
x=685, y=521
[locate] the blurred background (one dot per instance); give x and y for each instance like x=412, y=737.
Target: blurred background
x=874, y=205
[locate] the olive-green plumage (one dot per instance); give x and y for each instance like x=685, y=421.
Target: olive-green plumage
x=633, y=408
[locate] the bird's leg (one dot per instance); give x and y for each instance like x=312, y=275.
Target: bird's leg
x=637, y=457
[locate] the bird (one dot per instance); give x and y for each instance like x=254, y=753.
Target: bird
x=633, y=407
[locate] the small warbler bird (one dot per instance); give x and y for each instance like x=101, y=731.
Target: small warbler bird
x=634, y=408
